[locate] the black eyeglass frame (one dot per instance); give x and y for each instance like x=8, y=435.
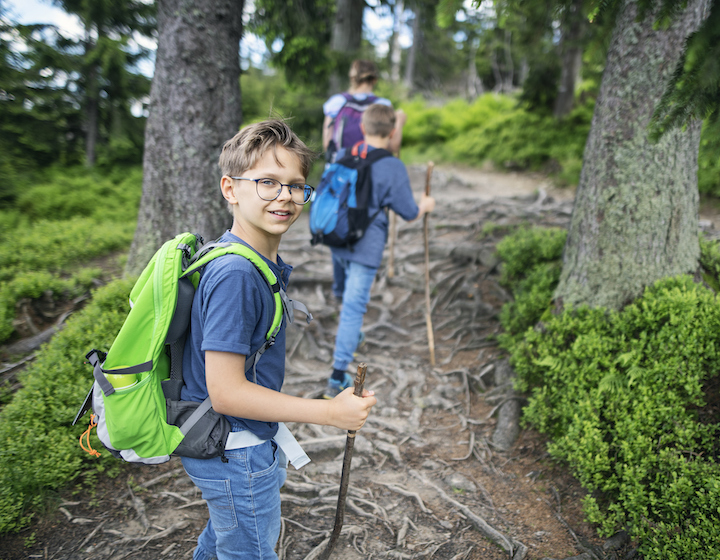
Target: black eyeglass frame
x=307, y=189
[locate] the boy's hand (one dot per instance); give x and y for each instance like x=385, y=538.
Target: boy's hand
x=348, y=412
x=400, y=118
x=427, y=204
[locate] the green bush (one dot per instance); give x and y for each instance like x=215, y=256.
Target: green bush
x=622, y=397
x=710, y=262
x=618, y=393
x=49, y=242
x=497, y=129
x=709, y=159
x=39, y=449
x=65, y=193
x=531, y=270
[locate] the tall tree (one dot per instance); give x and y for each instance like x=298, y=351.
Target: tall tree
x=346, y=39
x=297, y=34
x=194, y=108
x=636, y=208
x=105, y=60
x=572, y=41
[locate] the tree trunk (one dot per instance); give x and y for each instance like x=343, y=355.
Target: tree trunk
x=346, y=39
x=410, y=63
x=92, y=103
x=474, y=83
x=194, y=108
x=396, y=50
x=509, y=74
x=571, y=57
x=635, y=218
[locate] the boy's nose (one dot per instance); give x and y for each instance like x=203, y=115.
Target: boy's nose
x=285, y=193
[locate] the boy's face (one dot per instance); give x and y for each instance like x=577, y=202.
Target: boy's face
x=260, y=219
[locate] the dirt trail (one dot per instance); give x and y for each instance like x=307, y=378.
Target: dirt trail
x=428, y=480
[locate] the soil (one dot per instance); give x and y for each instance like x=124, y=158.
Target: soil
x=428, y=477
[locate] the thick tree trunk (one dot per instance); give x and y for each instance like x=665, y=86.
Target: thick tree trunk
x=396, y=50
x=194, y=108
x=412, y=52
x=346, y=38
x=635, y=218
x=571, y=49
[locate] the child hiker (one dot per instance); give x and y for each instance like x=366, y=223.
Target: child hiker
x=264, y=169
x=354, y=268
x=341, y=126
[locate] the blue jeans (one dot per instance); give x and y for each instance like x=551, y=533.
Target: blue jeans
x=243, y=497
x=353, y=281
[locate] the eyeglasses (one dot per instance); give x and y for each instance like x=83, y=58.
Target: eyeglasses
x=270, y=189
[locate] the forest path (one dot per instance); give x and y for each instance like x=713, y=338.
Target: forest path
x=429, y=479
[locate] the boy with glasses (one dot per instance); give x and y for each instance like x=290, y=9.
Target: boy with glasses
x=264, y=168
x=354, y=267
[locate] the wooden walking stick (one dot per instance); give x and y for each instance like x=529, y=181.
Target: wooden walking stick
x=428, y=317
x=391, y=247
x=345, y=477
x=392, y=235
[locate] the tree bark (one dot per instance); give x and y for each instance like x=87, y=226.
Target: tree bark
x=194, y=108
x=396, y=49
x=635, y=218
x=410, y=63
x=571, y=57
x=346, y=39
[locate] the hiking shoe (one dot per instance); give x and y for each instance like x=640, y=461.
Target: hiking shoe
x=335, y=387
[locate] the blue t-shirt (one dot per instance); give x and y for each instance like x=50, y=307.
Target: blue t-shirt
x=232, y=312
x=391, y=189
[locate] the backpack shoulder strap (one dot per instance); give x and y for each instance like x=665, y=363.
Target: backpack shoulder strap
x=283, y=305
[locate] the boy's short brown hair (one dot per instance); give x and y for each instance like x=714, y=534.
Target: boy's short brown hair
x=378, y=120
x=244, y=149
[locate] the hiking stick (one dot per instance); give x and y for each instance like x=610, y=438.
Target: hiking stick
x=428, y=318
x=391, y=248
x=392, y=235
x=345, y=477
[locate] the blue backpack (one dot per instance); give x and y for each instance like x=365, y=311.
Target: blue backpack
x=346, y=124
x=339, y=215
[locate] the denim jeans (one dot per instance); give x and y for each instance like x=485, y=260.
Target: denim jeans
x=353, y=281
x=243, y=497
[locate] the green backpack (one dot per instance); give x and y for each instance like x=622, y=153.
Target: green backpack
x=136, y=393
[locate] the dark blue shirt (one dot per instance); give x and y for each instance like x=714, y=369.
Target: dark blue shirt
x=391, y=189
x=232, y=312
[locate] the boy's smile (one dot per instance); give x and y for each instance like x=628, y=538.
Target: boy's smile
x=259, y=222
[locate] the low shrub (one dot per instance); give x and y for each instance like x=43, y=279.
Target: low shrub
x=622, y=396
x=39, y=449
x=495, y=128
x=47, y=245
x=530, y=270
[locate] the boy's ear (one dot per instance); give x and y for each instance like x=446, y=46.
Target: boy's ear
x=362, y=128
x=226, y=186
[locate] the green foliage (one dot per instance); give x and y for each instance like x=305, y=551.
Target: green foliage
x=75, y=216
x=710, y=262
x=268, y=94
x=495, y=128
x=302, y=28
x=619, y=394
x=531, y=270
x=65, y=193
x=622, y=395
x=709, y=158
x=38, y=448
x=692, y=93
